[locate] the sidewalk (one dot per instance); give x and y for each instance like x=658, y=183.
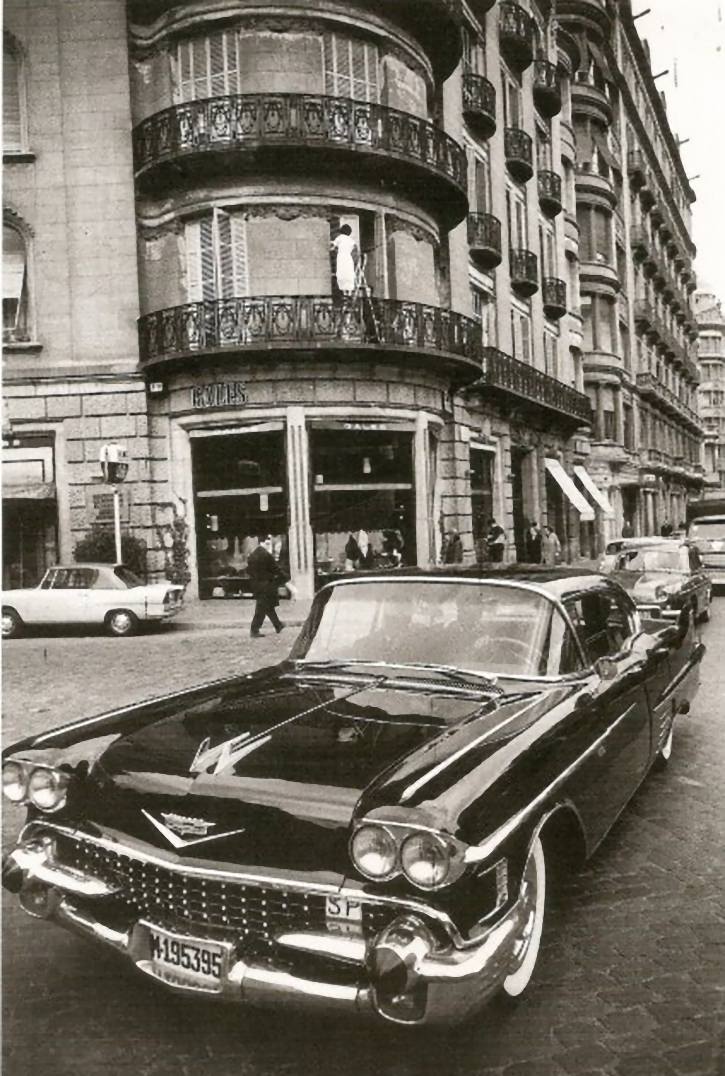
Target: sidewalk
x=235, y=613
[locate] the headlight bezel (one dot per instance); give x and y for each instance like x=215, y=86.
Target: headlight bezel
x=22, y=781
x=28, y=769
x=399, y=833
x=382, y=831
x=435, y=840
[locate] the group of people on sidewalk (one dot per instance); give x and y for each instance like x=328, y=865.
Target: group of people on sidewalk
x=541, y=546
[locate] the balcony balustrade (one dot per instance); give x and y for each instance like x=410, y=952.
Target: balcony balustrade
x=644, y=315
x=524, y=271
x=547, y=88
x=479, y=104
x=431, y=335
x=554, y=297
x=519, y=153
x=656, y=215
x=637, y=168
x=516, y=35
x=511, y=377
x=549, y=192
x=640, y=242
x=591, y=101
x=651, y=387
x=484, y=240
x=293, y=133
x=586, y=14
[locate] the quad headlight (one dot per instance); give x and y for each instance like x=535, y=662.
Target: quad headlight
x=374, y=852
x=426, y=860
x=43, y=786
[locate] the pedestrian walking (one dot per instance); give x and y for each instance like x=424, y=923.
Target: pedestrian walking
x=265, y=578
x=551, y=546
x=496, y=542
x=533, y=543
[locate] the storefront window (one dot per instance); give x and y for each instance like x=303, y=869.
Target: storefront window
x=481, y=499
x=240, y=493
x=363, y=504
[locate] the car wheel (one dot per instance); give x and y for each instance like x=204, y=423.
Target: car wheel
x=12, y=623
x=121, y=622
x=532, y=899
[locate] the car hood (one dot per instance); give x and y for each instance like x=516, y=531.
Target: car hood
x=644, y=584
x=274, y=773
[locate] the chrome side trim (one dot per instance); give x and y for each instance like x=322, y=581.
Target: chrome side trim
x=476, y=853
x=351, y=949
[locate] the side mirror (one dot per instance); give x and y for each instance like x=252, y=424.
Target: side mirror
x=606, y=668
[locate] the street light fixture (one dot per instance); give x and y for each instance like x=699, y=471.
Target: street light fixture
x=114, y=464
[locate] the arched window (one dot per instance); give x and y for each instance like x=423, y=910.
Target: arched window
x=13, y=99
x=15, y=285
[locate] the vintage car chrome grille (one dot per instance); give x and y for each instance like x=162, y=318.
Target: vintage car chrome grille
x=253, y=914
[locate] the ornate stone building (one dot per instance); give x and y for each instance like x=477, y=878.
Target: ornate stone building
x=711, y=393
x=192, y=165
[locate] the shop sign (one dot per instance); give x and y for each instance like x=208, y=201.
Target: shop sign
x=219, y=394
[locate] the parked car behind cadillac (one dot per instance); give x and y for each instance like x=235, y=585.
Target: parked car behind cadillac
x=368, y=827
x=707, y=534
x=105, y=595
x=662, y=575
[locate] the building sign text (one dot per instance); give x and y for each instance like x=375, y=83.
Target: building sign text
x=219, y=394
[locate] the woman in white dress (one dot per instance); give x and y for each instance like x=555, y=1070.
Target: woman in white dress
x=345, y=260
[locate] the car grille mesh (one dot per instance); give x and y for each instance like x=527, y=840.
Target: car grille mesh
x=252, y=914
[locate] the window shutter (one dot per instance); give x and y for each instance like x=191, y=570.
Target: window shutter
x=239, y=252
x=223, y=65
x=12, y=132
x=337, y=58
x=364, y=71
x=193, y=261
x=200, y=68
x=525, y=338
x=224, y=254
x=481, y=200
x=185, y=70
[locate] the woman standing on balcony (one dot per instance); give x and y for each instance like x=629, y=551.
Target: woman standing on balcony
x=345, y=260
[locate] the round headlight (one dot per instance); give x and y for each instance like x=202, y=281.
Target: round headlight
x=46, y=788
x=426, y=860
x=14, y=787
x=374, y=852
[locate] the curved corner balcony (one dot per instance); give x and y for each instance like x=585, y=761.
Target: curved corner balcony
x=307, y=324
x=591, y=102
x=511, y=378
x=553, y=292
x=587, y=14
x=292, y=134
x=524, y=271
x=519, y=153
x=549, y=193
x=516, y=35
x=595, y=189
x=479, y=104
x=484, y=240
x=547, y=88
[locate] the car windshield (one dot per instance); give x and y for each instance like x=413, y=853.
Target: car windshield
x=716, y=529
x=127, y=577
x=649, y=560
x=481, y=627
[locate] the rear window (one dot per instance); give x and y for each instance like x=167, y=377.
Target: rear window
x=711, y=529
x=127, y=577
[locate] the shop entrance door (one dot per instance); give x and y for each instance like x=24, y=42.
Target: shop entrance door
x=482, y=461
x=363, y=498
x=239, y=494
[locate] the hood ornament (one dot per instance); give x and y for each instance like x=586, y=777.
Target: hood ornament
x=176, y=827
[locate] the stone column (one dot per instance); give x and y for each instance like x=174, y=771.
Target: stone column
x=301, y=557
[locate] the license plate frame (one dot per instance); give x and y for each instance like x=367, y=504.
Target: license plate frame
x=179, y=959
x=343, y=915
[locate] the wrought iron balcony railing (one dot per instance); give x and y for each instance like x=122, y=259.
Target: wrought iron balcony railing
x=549, y=192
x=503, y=373
x=640, y=242
x=264, y=323
x=644, y=314
x=291, y=125
x=519, y=153
x=651, y=386
x=554, y=297
x=484, y=239
x=479, y=104
x=524, y=271
x=547, y=89
x=516, y=35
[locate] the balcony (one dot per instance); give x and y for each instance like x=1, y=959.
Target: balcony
x=479, y=104
x=657, y=215
x=637, y=168
x=516, y=35
x=484, y=240
x=436, y=24
x=524, y=271
x=644, y=315
x=519, y=153
x=554, y=297
x=267, y=325
x=510, y=377
x=640, y=242
x=286, y=135
x=549, y=193
x=547, y=89
x=591, y=14
x=595, y=189
x=591, y=102
x=651, y=388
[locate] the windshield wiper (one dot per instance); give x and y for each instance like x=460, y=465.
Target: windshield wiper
x=450, y=672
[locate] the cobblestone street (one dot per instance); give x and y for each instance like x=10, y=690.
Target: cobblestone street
x=630, y=982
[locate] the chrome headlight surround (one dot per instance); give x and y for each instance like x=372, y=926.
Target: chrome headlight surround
x=427, y=860
x=371, y=840
x=43, y=786
x=407, y=848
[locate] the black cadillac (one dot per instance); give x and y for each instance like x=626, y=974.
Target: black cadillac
x=367, y=827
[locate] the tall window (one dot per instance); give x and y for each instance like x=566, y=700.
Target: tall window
x=216, y=256
x=551, y=355
x=474, y=52
x=15, y=288
x=517, y=218
x=484, y=310
x=350, y=68
x=521, y=335
x=207, y=67
x=512, y=108
x=479, y=182
x=12, y=100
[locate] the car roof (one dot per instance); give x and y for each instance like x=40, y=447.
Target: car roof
x=655, y=539
x=707, y=519
x=86, y=564
x=557, y=581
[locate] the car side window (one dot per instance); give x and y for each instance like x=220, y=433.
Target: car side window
x=74, y=578
x=601, y=621
x=48, y=580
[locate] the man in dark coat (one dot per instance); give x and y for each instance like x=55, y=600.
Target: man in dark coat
x=533, y=543
x=265, y=577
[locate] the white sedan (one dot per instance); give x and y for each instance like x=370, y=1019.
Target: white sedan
x=108, y=595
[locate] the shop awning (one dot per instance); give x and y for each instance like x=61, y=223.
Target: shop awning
x=566, y=484
x=594, y=491
x=32, y=491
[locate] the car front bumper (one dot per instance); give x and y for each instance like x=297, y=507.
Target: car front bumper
x=401, y=975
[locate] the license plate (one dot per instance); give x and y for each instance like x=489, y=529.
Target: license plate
x=183, y=961
x=344, y=916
